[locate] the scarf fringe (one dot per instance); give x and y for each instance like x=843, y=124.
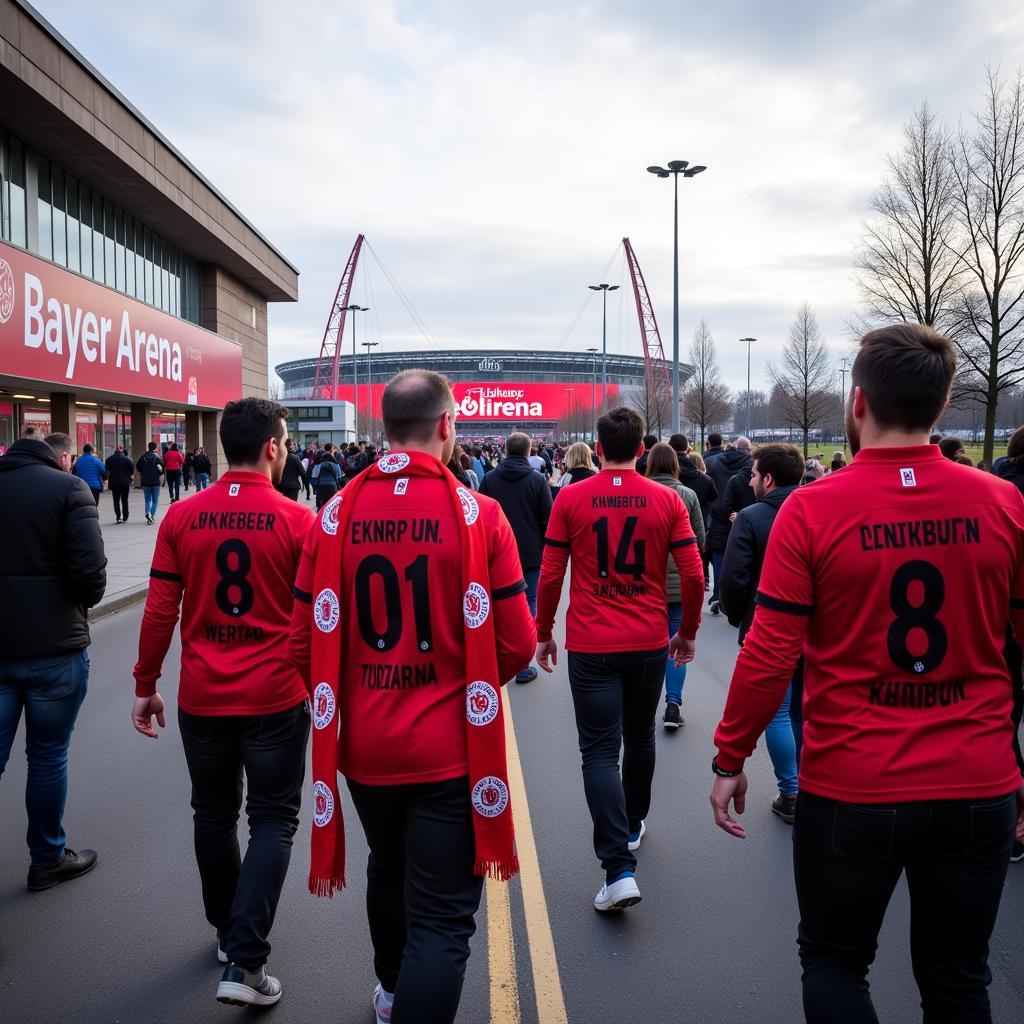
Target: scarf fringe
x=326, y=886
x=503, y=871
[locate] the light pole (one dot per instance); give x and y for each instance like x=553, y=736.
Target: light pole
x=748, y=342
x=370, y=346
x=593, y=398
x=569, y=392
x=674, y=169
x=355, y=366
x=604, y=289
x=842, y=395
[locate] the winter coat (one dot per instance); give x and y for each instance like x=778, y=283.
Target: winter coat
x=52, y=563
x=150, y=469
x=294, y=476
x=525, y=498
x=173, y=461
x=121, y=470
x=744, y=558
x=701, y=484
x=91, y=470
x=201, y=463
x=722, y=469
x=696, y=522
x=1011, y=470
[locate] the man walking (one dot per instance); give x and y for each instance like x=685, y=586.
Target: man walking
x=173, y=463
x=722, y=468
x=525, y=499
x=92, y=471
x=52, y=570
x=120, y=473
x=151, y=469
x=619, y=529
x=293, y=478
x=411, y=589
x=233, y=551
x=907, y=762
x=202, y=466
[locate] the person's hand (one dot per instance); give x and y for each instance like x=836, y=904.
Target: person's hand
x=681, y=650
x=732, y=517
x=724, y=792
x=1020, y=814
x=547, y=649
x=143, y=711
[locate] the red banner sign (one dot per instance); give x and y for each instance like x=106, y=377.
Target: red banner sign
x=58, y=328
x=503, y=402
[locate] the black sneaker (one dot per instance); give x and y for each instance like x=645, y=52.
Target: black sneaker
x=673, y=719
x=240, y=988
x=714, y=607
x=527, y=676
x=785, y=807
x=71, y=865
x=1018, y=853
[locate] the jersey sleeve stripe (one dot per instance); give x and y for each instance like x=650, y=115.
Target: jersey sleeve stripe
x=551, y=542
x=159, y=574
x=302, y=595
x=509, y=591
x=682, y=543
x=778, y=605
x=1017, y=602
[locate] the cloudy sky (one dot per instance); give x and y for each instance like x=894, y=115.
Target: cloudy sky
x=494, y=153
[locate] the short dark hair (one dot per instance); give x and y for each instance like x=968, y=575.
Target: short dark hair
x=951, y=447
x=650, y=441
x=783, y=462
x=412, y=403
x=246, y=425
x=935, y=439
x=906, y=374
x=174, y=446
x=662, y=459
x=87, y=449
x=714, y=440
x=518, y=444
x=620, y=431
x=151, y=446
x=679, y=442
x=60, y=443
x=1015, y=446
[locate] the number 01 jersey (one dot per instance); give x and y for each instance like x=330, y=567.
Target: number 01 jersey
x=233, y=552
x=898, y=576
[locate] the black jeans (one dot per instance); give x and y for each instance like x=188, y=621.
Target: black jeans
x=1015, y=665
x=847, y=859
x=421, y=893
x=290, y=492
x=119, y=492
x=174, y=484
x=241, y=896
x=324, y=495
x=616, y=697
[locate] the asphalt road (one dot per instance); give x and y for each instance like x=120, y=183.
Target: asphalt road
x=713, y=939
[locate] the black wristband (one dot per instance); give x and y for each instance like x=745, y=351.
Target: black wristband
x=721, y=772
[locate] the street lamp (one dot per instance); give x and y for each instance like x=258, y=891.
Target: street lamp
x=844, y=370
x=674, y=169
x=369, y=346
x=569, y=392
x=593, y=398
x=355, y=368
x=604, y=289
x=748, y=342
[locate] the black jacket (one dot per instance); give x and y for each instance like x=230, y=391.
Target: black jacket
x=1012, y=471
x=121, y=470
x=744, y=557
x=201, y=463
x=722, y=469
x=52, y=565
x=701, y=484
x=525, y=498
x=150, y=469
x=294, y=476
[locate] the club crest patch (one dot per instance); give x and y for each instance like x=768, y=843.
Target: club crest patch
x=326, y=610
x=323, y=803
x=481, y=703
x=908, y=478
x=476, y=606
x=393, y=463
x=401, y=485
x=490, y=796
x=330, y=515
x=323, y=705
x=470, y=506
x=234, y=490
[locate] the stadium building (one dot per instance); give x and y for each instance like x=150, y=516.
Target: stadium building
x=545, y=394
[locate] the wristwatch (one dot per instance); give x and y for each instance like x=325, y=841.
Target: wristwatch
x=721, y=772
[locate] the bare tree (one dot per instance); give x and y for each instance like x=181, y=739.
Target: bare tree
x=706, y=398
x=909, y=266
x=803, y=380
x=989, y=171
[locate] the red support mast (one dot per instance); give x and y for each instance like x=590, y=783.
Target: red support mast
x=656, y=370
x=325, y=381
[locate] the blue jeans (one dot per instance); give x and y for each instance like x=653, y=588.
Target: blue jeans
x=778, y=737
x=152, y=496
x=50, y=690
x=532, y=576
x=674, y=677
x=717, y=557
x=202, y=481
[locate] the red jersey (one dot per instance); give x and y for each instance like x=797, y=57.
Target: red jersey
x=233, y=550
x=173, y=460
x=619, y=528
x=402, y=703
x=897, y=577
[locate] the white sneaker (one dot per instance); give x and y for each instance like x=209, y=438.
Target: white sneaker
x=222, y=957
x=382, y=1005
x=617, y=896
x=634, y=844
x=240, y=988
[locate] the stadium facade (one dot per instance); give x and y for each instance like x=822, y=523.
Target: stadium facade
x=497, y=390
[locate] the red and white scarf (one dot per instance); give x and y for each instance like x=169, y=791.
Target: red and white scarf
x=485, y=728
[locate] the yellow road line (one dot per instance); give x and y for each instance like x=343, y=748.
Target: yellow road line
x=501, y=955
x=547, y=984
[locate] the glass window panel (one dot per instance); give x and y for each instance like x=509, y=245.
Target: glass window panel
x=97, y=238
x=165, y=279
x=5, y=192
x=45, y=210
x=149, y=265
x=60, y=223
x=85, y=220
x=74, y=233
x=129, y=256
x=119, y=258
x=140, y=264
x=109, y=274
x=16, y=189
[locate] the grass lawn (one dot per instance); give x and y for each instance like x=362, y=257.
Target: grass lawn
x=973, y=452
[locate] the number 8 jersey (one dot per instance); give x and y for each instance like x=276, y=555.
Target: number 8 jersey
x=233, y=552
x=897, y=577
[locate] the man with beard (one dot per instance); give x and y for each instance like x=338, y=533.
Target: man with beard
x=907, y=762
x=233, y=551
